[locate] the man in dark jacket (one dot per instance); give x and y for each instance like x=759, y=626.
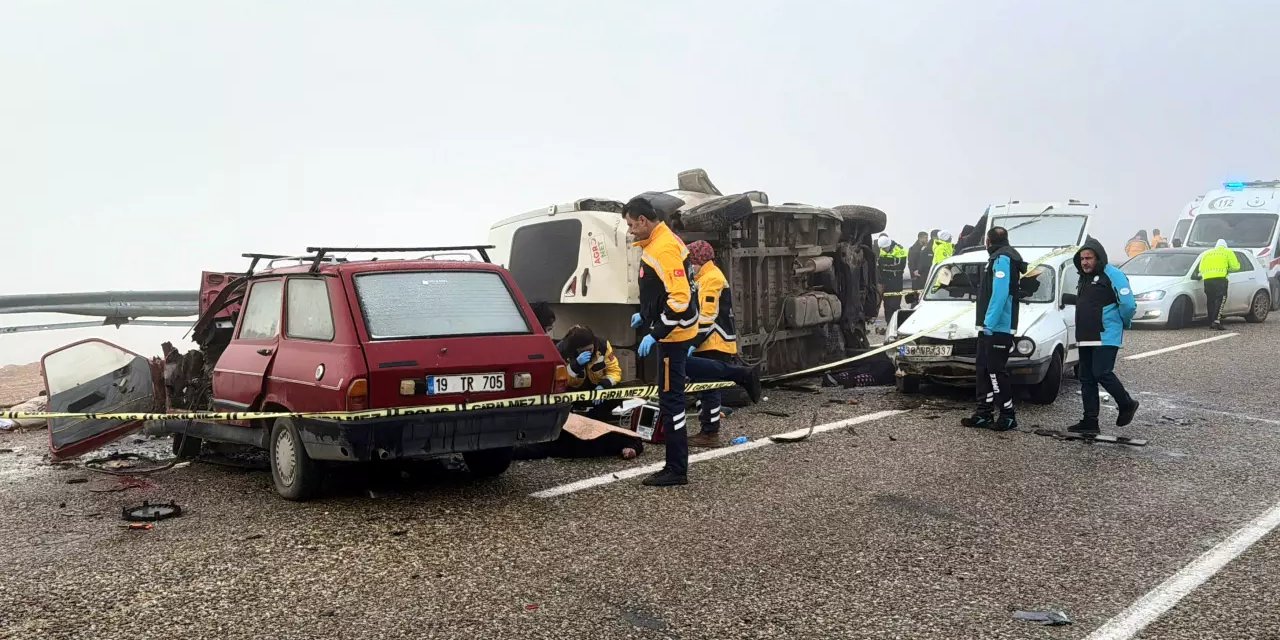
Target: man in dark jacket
x=919, y=259
x=1104, y=309
x=997, y=320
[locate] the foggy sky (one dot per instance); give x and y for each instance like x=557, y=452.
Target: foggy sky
x=145, y=141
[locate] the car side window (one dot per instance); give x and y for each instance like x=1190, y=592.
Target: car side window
x=1245, y=263
x=1070, y=280
x=309, y=314
x=262, y=311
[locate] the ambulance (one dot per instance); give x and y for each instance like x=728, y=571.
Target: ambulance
x=1183, y=226
x=1247, y=216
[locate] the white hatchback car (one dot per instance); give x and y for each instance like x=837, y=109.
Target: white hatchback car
x=1170, y=293
x=946, y=346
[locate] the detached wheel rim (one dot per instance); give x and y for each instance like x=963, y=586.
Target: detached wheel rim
x=286, y=458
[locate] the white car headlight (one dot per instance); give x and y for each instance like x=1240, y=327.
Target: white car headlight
x=1150, y=296
x=1025, y=346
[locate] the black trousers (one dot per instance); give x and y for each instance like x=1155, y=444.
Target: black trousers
x=994, y=389
x=671, y=403
x=713, y=366
x=892, y=303
x=1216, y=291
x=1097, y=367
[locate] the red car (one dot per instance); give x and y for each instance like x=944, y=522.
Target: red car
x=329, y=335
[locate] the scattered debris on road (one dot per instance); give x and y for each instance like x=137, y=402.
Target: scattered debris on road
x=148, y=512
x=1046, y=618
x=120, y=463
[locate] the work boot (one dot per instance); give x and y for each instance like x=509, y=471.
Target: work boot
x=1126, y=413
x=1087, y=426
x=1005, y=423
x=754, y=390
x=978, y=421
x=705, y=439
x=665, y=478
x=1216, y=326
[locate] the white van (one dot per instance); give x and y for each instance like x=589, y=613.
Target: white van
x=1247, y=216
x=1045, y=342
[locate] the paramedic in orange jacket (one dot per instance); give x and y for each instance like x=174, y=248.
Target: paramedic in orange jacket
x=713, y=356
x=669, y=313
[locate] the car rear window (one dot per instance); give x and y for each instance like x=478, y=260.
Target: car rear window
x=426, y=304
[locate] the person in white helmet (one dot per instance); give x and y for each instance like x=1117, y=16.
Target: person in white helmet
x=890, y=267
x=942, y=247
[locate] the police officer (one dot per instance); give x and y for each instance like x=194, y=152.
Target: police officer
x=711, y=358
x=1104, y=309
x=997, y=319
x=942, y=247
x=891, y=265
x=1215, y=264
x=668, y=311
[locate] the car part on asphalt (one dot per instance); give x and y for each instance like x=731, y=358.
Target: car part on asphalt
x=124, y=464
x=1046, y=618
x=148, y=512
x=1092, y=437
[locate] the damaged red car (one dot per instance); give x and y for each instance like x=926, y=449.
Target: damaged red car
x=323, y=334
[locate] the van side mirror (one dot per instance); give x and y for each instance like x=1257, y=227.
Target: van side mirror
x=1068, y=299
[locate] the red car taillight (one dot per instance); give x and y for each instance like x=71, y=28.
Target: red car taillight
x=358, y=395
x=561, y=380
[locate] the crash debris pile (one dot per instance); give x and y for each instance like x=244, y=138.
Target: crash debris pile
x=22, y=389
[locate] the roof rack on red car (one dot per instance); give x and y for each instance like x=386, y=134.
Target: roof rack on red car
x=258, y=257
x=319, y=253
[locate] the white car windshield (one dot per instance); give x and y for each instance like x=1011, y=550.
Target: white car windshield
x=1046, y=230
x=962, y=280
x=1238, y=229
x=1154, y=263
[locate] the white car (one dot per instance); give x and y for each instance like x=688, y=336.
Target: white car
x=1170, y=293
x=1044, y=344
x=1044, y=234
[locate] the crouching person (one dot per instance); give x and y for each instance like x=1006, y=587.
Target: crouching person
x=1104, y=309
x=713, y=355
x=592, y=366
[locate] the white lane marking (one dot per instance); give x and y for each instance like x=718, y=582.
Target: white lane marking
x=1146, y=610
x=1148, y=354
x=610, y=478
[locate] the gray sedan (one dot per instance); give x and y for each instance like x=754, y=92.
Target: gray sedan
x=1170, y=292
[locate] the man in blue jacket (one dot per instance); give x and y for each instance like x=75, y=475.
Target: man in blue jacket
x=1104, y=309
x=997, y=320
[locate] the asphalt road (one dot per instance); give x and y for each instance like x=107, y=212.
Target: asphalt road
x=906, y=526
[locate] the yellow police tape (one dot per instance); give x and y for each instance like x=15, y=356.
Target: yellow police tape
x=897, y=343
x=618, y=393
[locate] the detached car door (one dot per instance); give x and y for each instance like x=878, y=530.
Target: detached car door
x=95, y=376
x=240, y=374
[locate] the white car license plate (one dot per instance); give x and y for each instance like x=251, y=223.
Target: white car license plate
x=925, y=350
x=466, y=383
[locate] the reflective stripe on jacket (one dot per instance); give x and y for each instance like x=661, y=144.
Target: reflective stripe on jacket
x=890, y=266
x=942, y=250
x=1218, y=262
x=666, y=291
x=602, y=370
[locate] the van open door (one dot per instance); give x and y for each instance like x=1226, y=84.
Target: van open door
x=95, y=376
